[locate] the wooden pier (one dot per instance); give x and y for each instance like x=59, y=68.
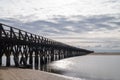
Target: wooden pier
x=24, y=45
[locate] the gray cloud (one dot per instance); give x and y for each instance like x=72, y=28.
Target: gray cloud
x=112, y=1
x=64, y=25
x=83, y=25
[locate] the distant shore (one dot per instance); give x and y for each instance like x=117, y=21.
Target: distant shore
x=105, y=53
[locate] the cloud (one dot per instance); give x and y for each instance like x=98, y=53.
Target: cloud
x=44, y=9
x=64, y=25
x=81, y=31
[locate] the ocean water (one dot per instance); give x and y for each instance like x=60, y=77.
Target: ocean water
x=90, y=67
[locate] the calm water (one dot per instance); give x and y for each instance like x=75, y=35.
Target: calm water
x=90, y=67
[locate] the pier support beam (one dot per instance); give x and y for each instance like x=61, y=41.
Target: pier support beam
x=30, y=56
x=36, y=60
x=52, y=55
x=1, y=54
x=30, y=59
x=0, y=44
x=16, y=60
x=0, y=59
x=7, y=54
x=8, y=60
x=41, y=60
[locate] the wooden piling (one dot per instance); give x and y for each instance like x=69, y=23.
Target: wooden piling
x=0, y=59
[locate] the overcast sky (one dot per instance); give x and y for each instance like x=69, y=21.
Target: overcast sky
x=90, y=24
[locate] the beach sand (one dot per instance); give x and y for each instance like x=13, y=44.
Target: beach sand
x=29, y=74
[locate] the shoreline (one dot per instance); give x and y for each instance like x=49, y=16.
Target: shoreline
x=13, y=73
x=29, y=74
x=104, y=53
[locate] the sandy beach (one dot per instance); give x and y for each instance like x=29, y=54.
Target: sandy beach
x=28, y=74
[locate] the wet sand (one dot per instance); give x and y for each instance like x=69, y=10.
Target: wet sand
x=28, y=74
x=105, y=53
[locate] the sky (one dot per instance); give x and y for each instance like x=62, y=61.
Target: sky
x=89, y=24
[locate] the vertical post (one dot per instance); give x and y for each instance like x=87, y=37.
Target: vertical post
x=45, y=56
x=41, y=56
x=41, y=61
x=52, y=55
x=49, y=55
x=8, y=60
x=33, y=62
x=58, y=54
x=7, y=52
x=16, y=58
x=30, y=56
x=36, y=59
x=0, y=59
x=63, y=52
x=0, y=44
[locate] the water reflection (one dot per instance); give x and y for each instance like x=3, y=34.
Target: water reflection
x=90, y=67
x=62, y=64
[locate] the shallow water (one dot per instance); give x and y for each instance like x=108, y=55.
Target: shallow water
x=90, y=67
